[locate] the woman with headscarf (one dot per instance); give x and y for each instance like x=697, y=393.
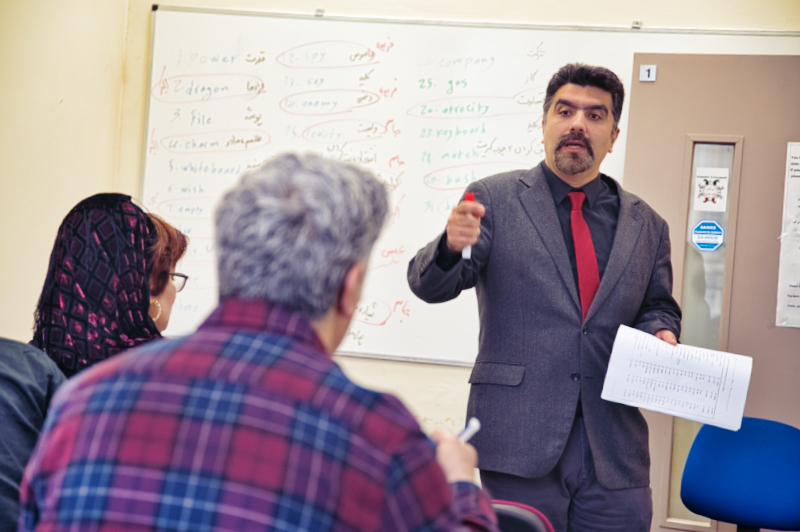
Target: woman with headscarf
x=108, y=284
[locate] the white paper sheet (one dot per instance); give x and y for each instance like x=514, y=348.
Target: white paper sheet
x=788, y=312
x=684, y=381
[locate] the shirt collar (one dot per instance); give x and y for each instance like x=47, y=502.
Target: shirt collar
x=266, y=316
x=559, y=189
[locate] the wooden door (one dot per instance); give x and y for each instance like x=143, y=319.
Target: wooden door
x=749, y=105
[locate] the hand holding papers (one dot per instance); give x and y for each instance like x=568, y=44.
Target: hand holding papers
x=684, y=381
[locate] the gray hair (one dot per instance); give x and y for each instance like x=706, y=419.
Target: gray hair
x=290, y=230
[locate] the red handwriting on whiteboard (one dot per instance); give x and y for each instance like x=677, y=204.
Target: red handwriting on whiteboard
x=395, y=131
x=396, y=212
x=153, y=142
x=384, y=46
x=389, y=252
x=163, y=84
x=404, y=308
x=396, y=160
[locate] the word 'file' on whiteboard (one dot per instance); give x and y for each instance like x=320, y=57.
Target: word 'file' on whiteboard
x=684, y=381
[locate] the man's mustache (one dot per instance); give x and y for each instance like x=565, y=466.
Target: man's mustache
x=575, y=136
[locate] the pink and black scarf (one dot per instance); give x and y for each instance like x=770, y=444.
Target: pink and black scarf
x=96, y=294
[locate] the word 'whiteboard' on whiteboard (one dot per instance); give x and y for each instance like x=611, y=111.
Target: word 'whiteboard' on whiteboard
x=429, y=108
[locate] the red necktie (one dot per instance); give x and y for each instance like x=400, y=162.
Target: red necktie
x=585, y=257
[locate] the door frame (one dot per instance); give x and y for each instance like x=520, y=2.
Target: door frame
x=661, y=470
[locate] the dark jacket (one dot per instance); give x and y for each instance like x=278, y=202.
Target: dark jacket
x=536, y=356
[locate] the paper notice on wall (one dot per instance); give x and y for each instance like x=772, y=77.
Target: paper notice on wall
x=711, y=189
x=684, y=381
x=788, y=312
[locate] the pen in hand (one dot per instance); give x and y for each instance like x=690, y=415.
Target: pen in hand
x=466, y=253
x=473, y=426
x=457, y=458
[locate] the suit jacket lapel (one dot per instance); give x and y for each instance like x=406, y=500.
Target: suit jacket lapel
x=537, y=200
x=629, y=226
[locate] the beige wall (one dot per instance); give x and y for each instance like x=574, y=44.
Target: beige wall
x=61, y=86
x=72, y=81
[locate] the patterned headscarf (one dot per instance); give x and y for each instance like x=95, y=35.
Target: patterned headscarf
x=96, y=294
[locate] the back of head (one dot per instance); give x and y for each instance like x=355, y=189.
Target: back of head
x=290, y=230
x=591, y=76
x=96, y=294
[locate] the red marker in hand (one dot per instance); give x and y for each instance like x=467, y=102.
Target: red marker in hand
x=466, y=253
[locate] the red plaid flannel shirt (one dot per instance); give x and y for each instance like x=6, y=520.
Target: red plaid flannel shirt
x=247, y=424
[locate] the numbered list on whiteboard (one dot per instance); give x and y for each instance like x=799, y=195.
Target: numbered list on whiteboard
x=684, y=381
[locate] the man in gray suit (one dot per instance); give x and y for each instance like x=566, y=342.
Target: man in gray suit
x=550, y=309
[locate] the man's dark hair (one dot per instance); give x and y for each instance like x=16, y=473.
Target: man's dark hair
x=583, y=75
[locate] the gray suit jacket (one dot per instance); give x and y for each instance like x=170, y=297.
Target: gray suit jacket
x=536, y=357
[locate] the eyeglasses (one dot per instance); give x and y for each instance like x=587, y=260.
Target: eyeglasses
x=179, y=280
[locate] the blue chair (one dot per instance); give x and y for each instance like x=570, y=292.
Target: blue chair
x=518, y=517
x=749, y=477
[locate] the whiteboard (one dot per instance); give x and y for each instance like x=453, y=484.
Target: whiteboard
x=428, y=107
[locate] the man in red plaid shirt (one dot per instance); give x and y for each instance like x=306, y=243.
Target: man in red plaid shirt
x=248, y=424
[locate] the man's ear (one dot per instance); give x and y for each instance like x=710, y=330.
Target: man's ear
x=350, y=292
x=614, y=137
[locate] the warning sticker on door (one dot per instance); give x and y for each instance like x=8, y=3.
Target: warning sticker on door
x=708, y=235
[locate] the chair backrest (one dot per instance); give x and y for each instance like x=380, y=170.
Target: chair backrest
x=749, y=477
x=518, y=517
